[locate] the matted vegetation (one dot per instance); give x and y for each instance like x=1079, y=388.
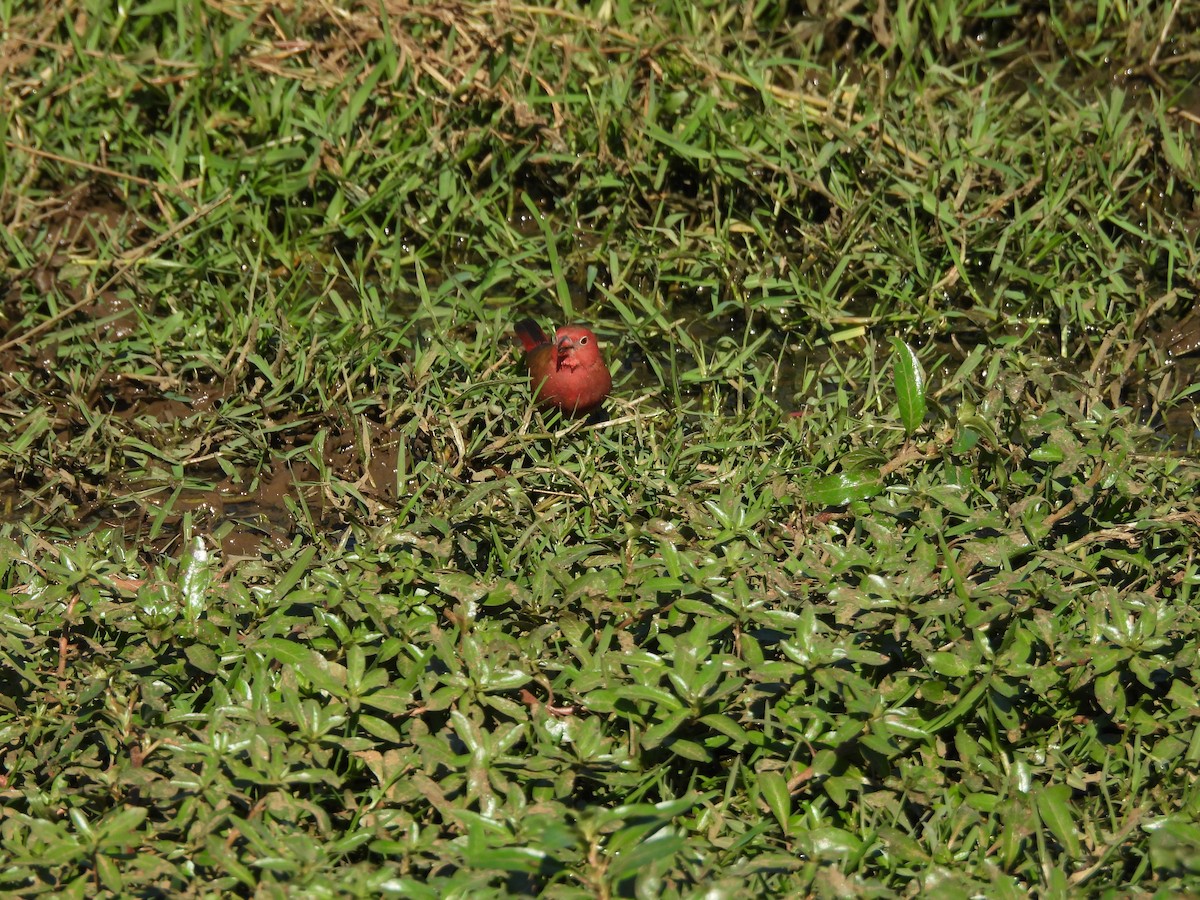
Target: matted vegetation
x=879, y=577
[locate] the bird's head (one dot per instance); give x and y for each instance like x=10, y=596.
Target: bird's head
x=576, y=346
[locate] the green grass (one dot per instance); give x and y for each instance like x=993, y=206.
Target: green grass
x=878, y=579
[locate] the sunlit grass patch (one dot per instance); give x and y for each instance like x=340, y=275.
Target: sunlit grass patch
x=876, y=573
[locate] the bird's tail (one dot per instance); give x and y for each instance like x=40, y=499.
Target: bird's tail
x=530, y=334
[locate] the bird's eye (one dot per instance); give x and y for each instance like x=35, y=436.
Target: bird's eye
x=582, y=341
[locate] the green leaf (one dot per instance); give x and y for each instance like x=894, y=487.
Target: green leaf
x=965, y=440
x=324, y=675
x=731, y=729
x=195, y=578
x=507, y=859
x=1054, y=807
x=910, y=385
x=663, y=811
x=829, y=842
x=393, y=700
x=844, y=487
x=644, y=854
x=287, y=652
x=690, y=750
x=110, y=873
x=949, y=664
x=907, y=724
x=203, y=658
x=379, y=728
x=775, y=792
x=291, y=578
x=119, y=828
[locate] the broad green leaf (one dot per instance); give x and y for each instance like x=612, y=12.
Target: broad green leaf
x=391, y=700
x=120, y=828
x=663, y=811
x=1054, y=807
x=690, y=750
x=287, y=652
x=775, y=792
x=952, y=665
x=645, y=854
x=323, y=674
x=291, y=578
x=726, y=726
x=110, y=873
x=906, y=723
x=910, y=385
x=195, y=578
x=379, y=728
x=203, y=658
x=507, y=859
x=843, y=488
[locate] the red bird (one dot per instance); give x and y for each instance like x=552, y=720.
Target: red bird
x=568, y=372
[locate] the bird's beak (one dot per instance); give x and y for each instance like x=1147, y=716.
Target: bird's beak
x=561, y=347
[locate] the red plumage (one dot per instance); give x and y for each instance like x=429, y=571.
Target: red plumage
x=568, y=372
